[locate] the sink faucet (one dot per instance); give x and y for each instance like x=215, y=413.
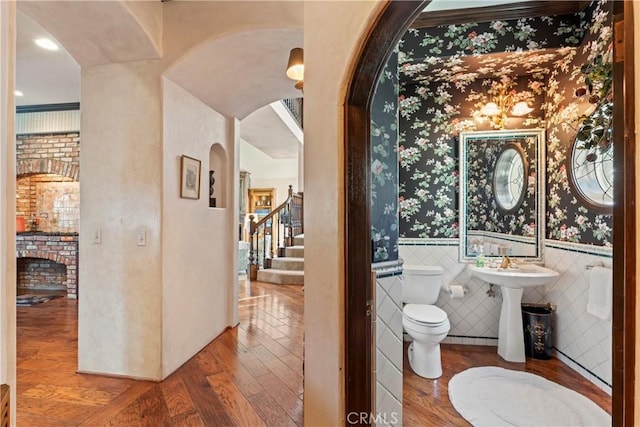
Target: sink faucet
x=506, y=262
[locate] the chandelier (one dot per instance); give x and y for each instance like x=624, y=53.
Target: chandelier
x=501, y=106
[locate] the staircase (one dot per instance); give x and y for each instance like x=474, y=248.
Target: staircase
x=289, y=269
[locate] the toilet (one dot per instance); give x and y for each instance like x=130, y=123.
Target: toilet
x=425, y=323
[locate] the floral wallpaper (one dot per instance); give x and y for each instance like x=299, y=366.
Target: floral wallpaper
x=567, y=218
x=428, y=149
x=447, y=73
x=384, y=165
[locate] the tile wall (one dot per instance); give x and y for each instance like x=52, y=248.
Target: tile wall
x=389, y=358
x=581, y=340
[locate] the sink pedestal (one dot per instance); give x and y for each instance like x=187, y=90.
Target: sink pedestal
x=510, y=334
x=512, y=282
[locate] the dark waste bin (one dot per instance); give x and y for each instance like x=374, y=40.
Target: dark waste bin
x=536, y=322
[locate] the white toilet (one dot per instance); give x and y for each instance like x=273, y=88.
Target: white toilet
x=427, y=324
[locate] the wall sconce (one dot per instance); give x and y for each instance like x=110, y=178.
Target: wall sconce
x=295, y=67
x=504, y=104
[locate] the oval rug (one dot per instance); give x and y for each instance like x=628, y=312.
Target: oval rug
x=491, y=396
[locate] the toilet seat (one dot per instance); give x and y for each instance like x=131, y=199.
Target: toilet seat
x=425, y=314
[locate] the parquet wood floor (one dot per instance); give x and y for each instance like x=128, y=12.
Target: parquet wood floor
x=249, y=376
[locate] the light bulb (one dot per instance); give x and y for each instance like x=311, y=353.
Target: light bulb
x=491, y=109
x=521, y=109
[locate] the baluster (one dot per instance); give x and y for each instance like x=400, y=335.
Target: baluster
x=290, y=218
x=279, y=242
x=264, y=244
x=273, y=235
x=253, y=256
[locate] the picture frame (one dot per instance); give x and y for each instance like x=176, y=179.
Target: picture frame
x=189, y=178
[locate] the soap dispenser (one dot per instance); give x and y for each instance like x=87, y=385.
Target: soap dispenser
x=480, y=259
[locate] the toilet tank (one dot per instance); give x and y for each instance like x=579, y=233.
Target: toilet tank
x=421, y=284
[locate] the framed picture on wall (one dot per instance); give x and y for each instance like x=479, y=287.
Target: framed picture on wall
x=189, y=178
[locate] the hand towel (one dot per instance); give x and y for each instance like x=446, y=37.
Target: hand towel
x=600, y=292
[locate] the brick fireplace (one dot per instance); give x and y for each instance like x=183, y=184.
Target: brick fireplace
x=48, y=203
x=48, y=262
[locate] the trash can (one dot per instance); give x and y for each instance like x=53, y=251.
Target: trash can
x=536, y=321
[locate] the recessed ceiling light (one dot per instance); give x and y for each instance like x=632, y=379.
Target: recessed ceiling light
x=18, y=93
x=47, y=44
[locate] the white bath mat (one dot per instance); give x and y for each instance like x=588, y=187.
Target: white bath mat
x=492, y=396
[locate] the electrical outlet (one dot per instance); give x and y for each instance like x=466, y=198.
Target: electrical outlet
x=97, y=236
x=141, y=237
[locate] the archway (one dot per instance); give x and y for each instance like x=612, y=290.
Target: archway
x=392, y=23
x=49, y=166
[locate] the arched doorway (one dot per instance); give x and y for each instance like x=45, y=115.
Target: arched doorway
x=392, y=23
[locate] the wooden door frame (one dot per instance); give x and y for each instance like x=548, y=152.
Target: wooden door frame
x=385, y=33
x=624, y=217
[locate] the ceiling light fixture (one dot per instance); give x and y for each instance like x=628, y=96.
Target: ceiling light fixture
x=503, y=104
x=18, y=93
x=46, y=43
x=295, y=67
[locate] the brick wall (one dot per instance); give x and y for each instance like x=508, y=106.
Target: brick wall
x=40, y=250
x=53, y=200
x=41, y=274
x=47, y=187
x=63, y=147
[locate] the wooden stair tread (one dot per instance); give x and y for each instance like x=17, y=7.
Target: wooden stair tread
x=283, y=272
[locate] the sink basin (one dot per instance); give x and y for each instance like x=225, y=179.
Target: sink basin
x=524, y=276
x=512, y=281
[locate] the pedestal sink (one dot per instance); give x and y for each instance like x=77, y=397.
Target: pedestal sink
x=513, y=281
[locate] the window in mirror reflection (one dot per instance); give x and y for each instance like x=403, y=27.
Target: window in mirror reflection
x=509, y=178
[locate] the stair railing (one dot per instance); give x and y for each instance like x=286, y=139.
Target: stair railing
x=277, y=230
x=295, y=106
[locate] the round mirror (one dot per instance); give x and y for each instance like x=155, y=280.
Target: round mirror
x=509, y=178
x=591, y=160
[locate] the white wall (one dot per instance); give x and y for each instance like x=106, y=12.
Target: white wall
x=267, y=172
x=197, y=241
x=7, y=202
x=332, y=38
x=120, y=283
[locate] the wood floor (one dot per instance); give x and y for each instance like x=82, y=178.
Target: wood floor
x=426, y=402
x=249, y=376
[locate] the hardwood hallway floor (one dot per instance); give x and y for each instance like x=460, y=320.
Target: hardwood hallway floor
x=249, y=376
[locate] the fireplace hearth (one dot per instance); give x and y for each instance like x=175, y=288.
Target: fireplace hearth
x=48, y=261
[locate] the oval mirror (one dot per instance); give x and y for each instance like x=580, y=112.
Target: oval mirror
x=509, y=178
x=591, y=160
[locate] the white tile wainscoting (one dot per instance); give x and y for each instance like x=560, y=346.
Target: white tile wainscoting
x=581, y=340
x=389, y=347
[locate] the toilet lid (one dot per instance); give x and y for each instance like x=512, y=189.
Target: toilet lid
x=424, y=313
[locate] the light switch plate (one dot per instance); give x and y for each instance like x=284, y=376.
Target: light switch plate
x=141, y=237
x=97, y=236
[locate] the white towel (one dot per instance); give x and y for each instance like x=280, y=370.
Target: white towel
x=600, y=292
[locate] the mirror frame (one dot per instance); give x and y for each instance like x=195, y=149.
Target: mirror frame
x=465, y=139
x=578, y=145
